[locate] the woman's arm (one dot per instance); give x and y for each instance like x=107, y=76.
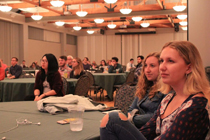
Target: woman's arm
x=56, y=85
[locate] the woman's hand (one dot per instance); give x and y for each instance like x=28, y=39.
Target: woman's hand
x=37, y=98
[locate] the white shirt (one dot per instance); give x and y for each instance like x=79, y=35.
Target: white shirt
x=129, y=65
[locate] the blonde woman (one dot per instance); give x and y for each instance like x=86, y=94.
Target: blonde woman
x=182, y=114
x=77, y=67
x=147, y=97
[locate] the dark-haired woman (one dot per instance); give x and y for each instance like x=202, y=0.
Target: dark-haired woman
x=48, y=80
x=103, y=65
x=77, y=68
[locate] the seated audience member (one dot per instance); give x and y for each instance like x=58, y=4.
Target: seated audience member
x=86, y=64
x=114, y=65
x=63, y=68
x=137, y=72
x=182, y=114
x=48, y=80
x=77, y=68
x=94, y=65
x=2, y=72
x=37, y=65
x=15, y=70
x=130, y=65
x=4, y=66
x=69, y=61
x=23, y=65
x=33, y=65
x=147, y=97
x=103, y=65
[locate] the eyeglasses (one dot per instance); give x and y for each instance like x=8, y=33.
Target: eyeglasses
x=43, y=61
x=74, y=61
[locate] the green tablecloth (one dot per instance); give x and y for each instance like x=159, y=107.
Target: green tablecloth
x=49, y=129
x=17, y=89
x=108, y=80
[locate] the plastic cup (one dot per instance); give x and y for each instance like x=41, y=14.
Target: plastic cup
x=117, y=70
x=76, y=118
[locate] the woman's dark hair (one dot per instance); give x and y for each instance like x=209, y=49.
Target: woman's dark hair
x=104, y=62
x=32, y=64
x=52, y=67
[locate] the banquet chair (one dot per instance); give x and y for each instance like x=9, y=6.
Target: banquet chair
x=82, y=86
x=65, y=85
x=124, y=97
x=94, y=87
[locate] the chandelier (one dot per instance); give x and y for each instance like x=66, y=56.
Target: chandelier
x=59, y=23
x=137, y=18
x=179, y=8
x=99, y=20
x=145, y=24
x=81, y=13
x=183, y=23
x=182, y=17
x=184, y=28
x=77, y=28
x=36, y=16
x=57, y=3
x=90, y=31
x=125, y=11
x=5, y=8
x=111, y=26
x=110, y=1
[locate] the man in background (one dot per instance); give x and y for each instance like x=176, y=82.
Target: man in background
x=15, y=70
x=130, y=65
x=63, y=68
x=69, y=61
x=137, y=73
x=23, y=65
x=115, y=67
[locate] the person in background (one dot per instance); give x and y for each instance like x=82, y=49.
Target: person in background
x=23, y=65
x=77, y=68
x=33, y=65
x=63, y=68
x=15, y=70
x=94, y=65
x=48, y=81
x=69, y=61
x=4, y=66
x=137, y=72
x=183, y=113
x=2, y=72
x=147, y=97
x=37, y=65
x=86, y=64
x=130, y=65
x=114, y=66
x=103, y=65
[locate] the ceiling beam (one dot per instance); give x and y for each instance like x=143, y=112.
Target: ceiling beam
x=107, y=15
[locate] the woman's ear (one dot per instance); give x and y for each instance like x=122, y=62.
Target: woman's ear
x=189, y=70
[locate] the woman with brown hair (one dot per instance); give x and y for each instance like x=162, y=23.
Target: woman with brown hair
x=147, y=97
x=77, y=68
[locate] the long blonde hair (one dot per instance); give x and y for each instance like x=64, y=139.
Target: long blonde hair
x=196, y=81
x=79, y=68
x=144, y=84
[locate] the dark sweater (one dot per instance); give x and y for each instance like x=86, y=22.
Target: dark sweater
x=76, y=76
x=56, y=84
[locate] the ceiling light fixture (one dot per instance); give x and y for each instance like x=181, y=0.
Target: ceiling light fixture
x=36, y=16
x=99, y=20
x=81, y=13
x=111, y=26
x=125, y=11
x=90, y=31
x=57, y=3
x=145, y=24
x=179, y=8
x=183, y=23
x=77, y=28
x=110, y=1
x=182, y=17
x=184, y=28
x=5, y=8
x=137, y=18
x=59, y=23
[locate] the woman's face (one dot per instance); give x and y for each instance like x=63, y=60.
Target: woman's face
x=74, y=63
x=33, y=65
x=103, y=63
x=44, y=63
x=151, y=68
x=173, y=68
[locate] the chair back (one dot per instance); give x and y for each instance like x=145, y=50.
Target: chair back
x=124, y=68
x=82, y=86
x=90, y=75
x=125, y=97
x=65, y=85
x=131, y=77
